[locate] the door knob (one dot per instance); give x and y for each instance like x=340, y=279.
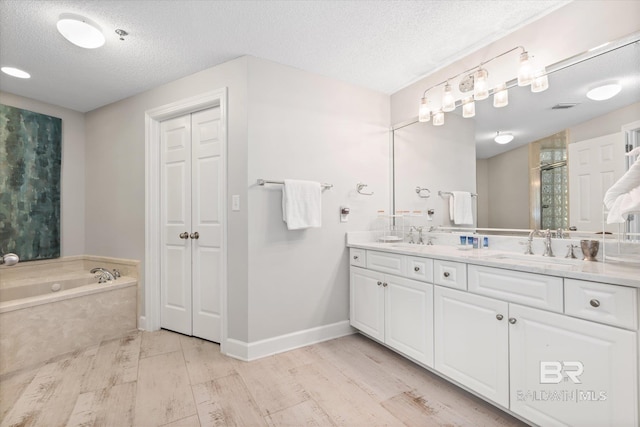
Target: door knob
x=195, y=235
x=184, y=235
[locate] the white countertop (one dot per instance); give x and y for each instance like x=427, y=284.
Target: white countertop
x=616, y=273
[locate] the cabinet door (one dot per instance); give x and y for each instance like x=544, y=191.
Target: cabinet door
x=471, y=342
x=567, y=371
x=367, y=302
x=409, y=317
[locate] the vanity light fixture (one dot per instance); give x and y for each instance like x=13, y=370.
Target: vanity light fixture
x=438, y=118
x=468, y=108
x=448, y=101
x=500, y=96
x=80, y=31
x=604, y=92
x=476, y=79
x=503, y=138
x=424, y=114
x=15, y=72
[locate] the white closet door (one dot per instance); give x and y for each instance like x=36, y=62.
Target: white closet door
x=175, y=217
x=208, y=182
x=594, y=166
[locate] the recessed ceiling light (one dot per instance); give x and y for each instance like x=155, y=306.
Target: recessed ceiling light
x=602, y=93
x=15, y=72
x=80, y=31
x=503, y=138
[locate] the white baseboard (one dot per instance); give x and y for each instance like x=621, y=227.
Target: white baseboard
x=256, y=350
x=142, y=323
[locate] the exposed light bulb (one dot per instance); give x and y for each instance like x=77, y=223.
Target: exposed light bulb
x=438, y=118
x=500, y=96
x=80, y=31
x=602, y=93
x=481, y=85
x=540, y=80
x=15, y=72
x=448, y=101
x=525, y=70
x=468, y=108
x=424, y=114
x=503, y=138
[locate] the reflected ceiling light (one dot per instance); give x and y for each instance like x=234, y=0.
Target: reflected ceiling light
x=80, y=31
x=448, y=101
x=424, y=114
x=15, y=72
x=476, y=79
x=599, y=46
x=503, y=138
x=438, y=118
x=604, y=92
x=500, y=96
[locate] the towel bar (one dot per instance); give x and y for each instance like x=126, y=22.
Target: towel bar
x=265, y=181
x=449, y=193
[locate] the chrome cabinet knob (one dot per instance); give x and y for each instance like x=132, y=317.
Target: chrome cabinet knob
x=594, y=303
x=195, y=235
x=355, y=257
x=447, y=274
x=379, y=283
x=512, y=320
x=184, y=235
x=416, y=268
x=384, y=285
x=499, y=316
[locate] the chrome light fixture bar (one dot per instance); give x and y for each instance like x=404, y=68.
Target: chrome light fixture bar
x=476, y=79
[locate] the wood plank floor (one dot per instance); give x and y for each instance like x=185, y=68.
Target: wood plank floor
x=166, y=379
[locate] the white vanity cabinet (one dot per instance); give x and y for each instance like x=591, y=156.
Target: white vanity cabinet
x=567, y=371
x=471, y=342
x=393, y=309
x=554, y=351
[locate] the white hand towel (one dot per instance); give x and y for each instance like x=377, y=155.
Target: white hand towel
x=624, y=196
x=460, y=208
x=301, y=204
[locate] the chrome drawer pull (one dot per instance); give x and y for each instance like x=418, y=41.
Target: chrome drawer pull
x=594, y=303
x=499, y=316
x=355, y=257
x=416, y=268
x=446, y=274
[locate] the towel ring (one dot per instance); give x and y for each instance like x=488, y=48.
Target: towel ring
x=419, y=191
x=360, y=186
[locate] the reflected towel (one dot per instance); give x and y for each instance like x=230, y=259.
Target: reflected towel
x=301, y=204
x=624, y=196
x=460, y=208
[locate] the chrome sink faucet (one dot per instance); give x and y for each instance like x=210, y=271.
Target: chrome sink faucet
x=547, y=244
x=529, y=243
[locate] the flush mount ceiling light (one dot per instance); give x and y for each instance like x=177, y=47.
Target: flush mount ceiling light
x=503, y=138
x=80, y=31
x=15, y=72
x=476, y=79
x=604, y=92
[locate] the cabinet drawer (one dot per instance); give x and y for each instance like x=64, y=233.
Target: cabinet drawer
x=535, y=290
x=450, y=274
x=358, y=257
x=420, y=269
x=610, y=304
x=386, y=262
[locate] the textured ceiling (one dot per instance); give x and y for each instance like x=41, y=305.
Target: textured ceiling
x=382, y=45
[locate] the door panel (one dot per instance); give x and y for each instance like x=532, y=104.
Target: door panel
x=175, y=199
x=207, y=153
x=367, y=302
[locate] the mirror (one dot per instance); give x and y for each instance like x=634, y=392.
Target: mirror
x=438, y=158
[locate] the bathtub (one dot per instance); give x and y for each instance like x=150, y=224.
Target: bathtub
x=49, y=308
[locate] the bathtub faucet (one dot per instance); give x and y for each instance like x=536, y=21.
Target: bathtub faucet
x=105, y=275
